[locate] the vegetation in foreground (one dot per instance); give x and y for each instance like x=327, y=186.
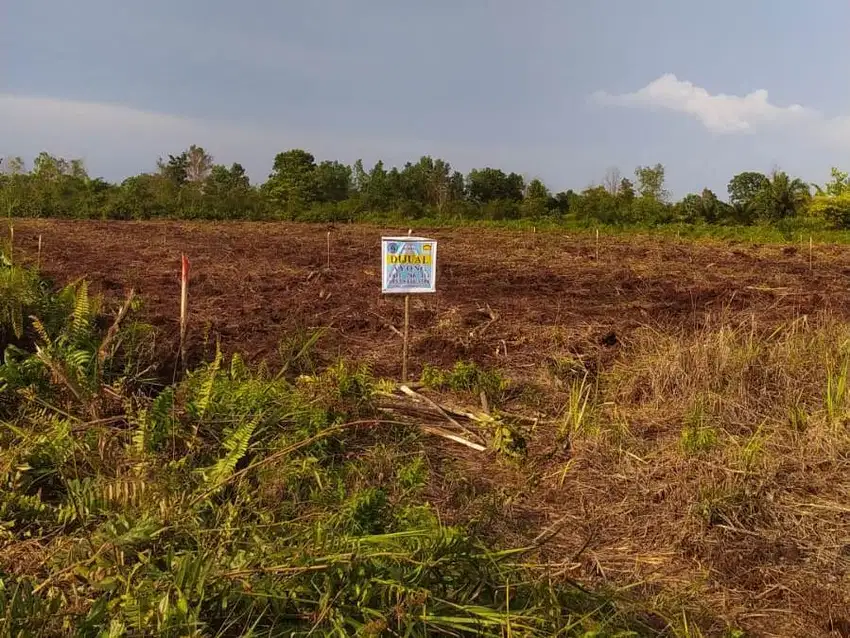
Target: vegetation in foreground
x=233, y=502
x=702, y=470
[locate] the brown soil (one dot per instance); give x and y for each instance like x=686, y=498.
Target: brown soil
x=253, y=283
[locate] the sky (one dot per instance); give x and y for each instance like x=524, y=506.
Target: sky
x=561, y=90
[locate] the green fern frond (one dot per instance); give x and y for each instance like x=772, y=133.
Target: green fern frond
x=236, y=445
x=78, y=358
x=154, y=423
x=202, y=400
x=16, y=318
x=40, y=330
x=81, y=318
x=238, y=370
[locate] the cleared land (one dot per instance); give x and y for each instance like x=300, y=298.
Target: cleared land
x=252, y=283
x=700, y=386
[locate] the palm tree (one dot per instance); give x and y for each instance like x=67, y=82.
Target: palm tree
x=781, y=197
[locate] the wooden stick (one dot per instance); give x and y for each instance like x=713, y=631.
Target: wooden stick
x=436, y=406
x=597, y=244
x=329, y=250
x=11, y=243
x=406, y=337
x=404, y=347
x=485, y=405
x=184, y=308
x=452, y=437
x=38, y=259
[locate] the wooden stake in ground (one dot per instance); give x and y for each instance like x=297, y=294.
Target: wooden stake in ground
x=11, y=243
x=597, y=244
x=406, y=334
x=329, y=250
x=184, y=308
x=38, y=258
x=406, y=330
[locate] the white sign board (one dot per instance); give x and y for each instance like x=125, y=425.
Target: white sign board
x=408, y=265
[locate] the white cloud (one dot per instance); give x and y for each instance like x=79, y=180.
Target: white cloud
x=719, y=113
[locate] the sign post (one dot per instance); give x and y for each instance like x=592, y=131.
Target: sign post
x=408, y=266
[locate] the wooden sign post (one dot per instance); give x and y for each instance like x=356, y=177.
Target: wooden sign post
x=408, y=266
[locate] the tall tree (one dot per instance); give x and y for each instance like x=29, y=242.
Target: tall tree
x=537, y=191
x=292, y=183
x=199, y=164
x=490, y=184
x=781, y=196
x=650, y=182
x=744, y=187
x=333, y=181
x=612, y=180
x=626, y=192
x=176, y=169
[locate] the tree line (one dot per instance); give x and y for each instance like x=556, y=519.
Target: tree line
x=190, y=185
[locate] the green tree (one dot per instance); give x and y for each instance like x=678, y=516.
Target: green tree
x=292, y=183
x=175, y=170
x=781, y=197
x=560, y=202
x=377, y=191
x=489, y=184
x=834, y=209
x=838, y=185
x=46, y=167
x=597, y=204
x=626, y=192
x=744, y=187
x=536, y=191
x=333, y=182
x=703, y=208
x=650, y=182
x=832, y=201
x=536, y=201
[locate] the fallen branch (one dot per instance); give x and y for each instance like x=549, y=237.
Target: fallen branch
x=421, y=397
x=494, y=316
x=452, y=437
x=387, y=324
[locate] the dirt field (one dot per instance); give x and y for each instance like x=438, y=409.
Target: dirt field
x=769, y=550
x=252, y=283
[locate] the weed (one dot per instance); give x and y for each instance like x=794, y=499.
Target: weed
x=465, y=376
x=697, y=435
x=575, y=419
x=297, y=351
x=835, y=397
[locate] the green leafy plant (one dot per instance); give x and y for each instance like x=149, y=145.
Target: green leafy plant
x=465, y=376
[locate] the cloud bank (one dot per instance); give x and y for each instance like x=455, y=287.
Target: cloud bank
x=729, y=114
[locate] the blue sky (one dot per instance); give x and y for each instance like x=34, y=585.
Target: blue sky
x=556, y=89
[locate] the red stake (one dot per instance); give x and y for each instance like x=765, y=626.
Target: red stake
x=184, y=308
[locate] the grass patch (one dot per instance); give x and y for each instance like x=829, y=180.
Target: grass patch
x=465, y=376
x=238, y=502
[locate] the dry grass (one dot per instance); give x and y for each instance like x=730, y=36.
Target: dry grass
x=707, y=471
